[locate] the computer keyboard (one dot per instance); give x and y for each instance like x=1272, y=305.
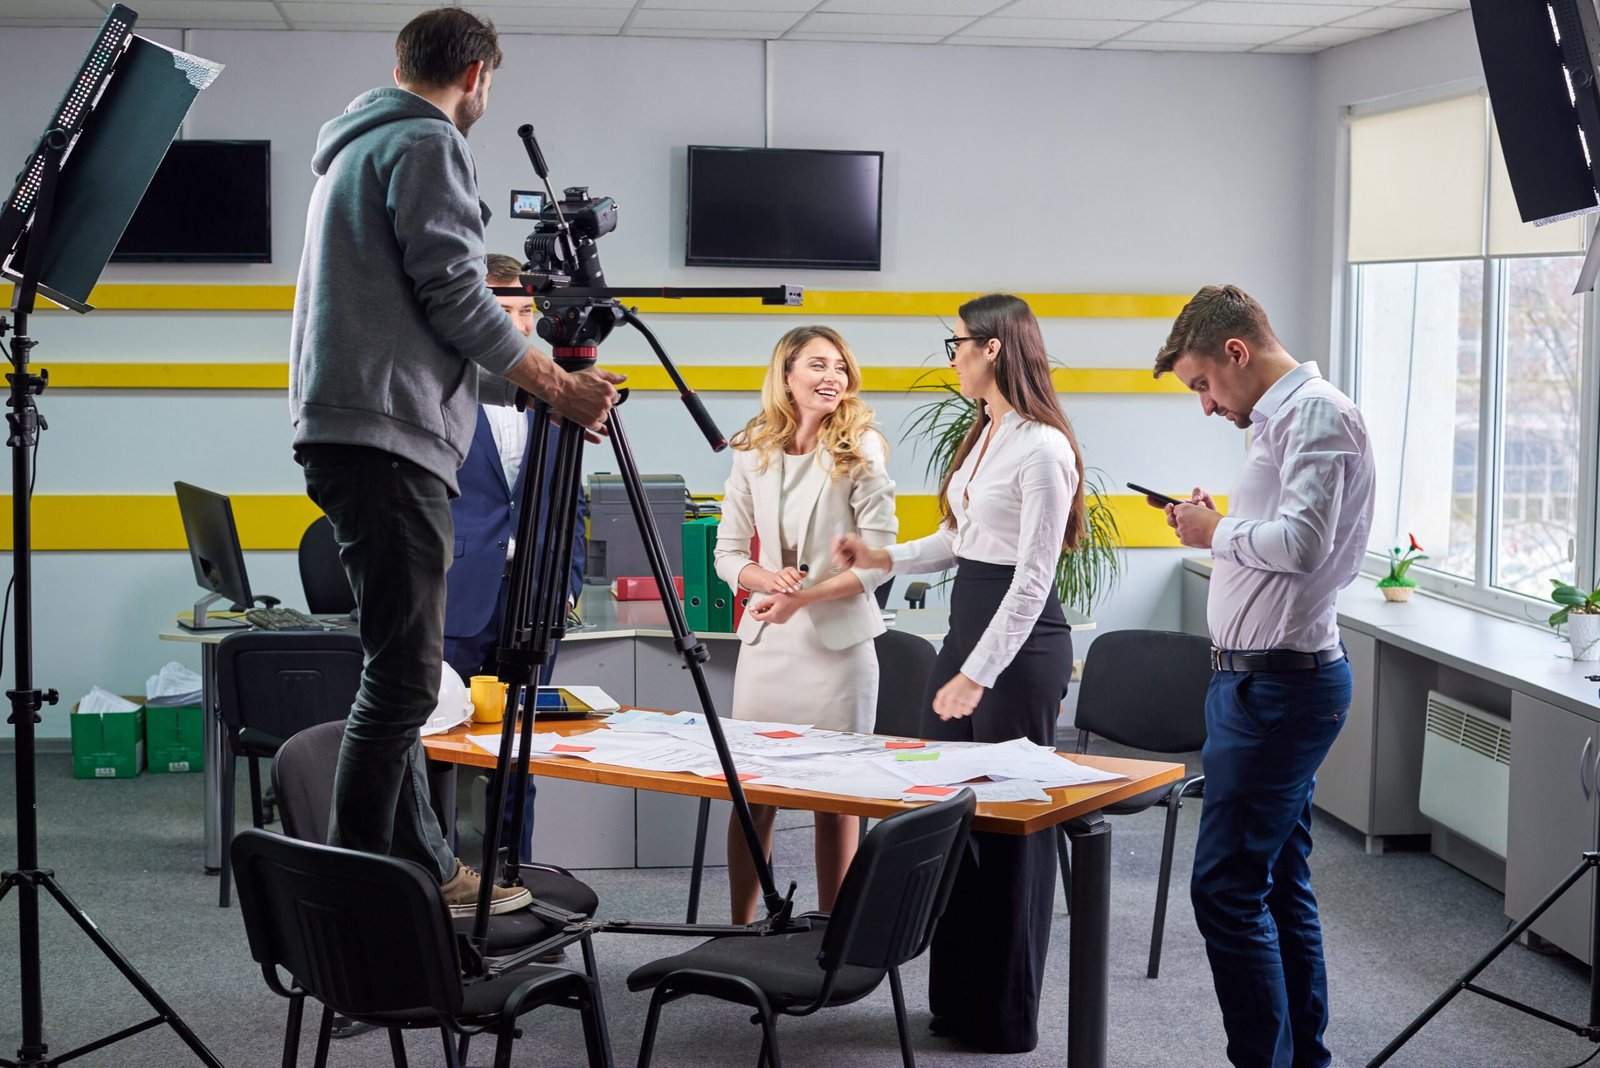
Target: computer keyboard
x=277, y=618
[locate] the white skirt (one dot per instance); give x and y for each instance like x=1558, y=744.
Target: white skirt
x=789, y=676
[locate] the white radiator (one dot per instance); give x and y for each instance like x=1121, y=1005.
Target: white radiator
x=1466, y=771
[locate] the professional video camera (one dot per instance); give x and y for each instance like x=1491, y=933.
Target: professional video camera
x=577, y=310
x=561, y=247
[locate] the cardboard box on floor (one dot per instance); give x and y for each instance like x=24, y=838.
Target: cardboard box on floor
x=173, y=738
x=108, y=745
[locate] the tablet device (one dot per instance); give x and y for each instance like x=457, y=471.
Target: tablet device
x=1162, y=497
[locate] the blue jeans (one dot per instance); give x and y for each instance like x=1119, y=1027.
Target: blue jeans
x=1266, y=735
x=392, y=521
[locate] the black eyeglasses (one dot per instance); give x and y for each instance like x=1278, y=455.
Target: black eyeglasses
x=953, y=343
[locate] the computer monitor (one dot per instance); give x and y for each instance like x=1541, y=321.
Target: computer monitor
x=215, y=552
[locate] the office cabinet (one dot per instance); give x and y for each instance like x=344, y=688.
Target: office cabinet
x=1553, y=818
x=1344, y=782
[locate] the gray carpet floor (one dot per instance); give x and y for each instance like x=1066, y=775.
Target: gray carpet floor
x=1399, y=927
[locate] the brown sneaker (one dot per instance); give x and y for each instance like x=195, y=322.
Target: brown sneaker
x=460, y=893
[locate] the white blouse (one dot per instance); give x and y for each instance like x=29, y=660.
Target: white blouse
x=1011, y=509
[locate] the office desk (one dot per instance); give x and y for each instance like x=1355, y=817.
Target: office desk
x=624, y=646
x=1078, y=807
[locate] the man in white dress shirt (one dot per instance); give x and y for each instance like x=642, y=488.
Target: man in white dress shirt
x=1301, y=511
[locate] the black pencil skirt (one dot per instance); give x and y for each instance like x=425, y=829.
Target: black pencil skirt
x=986, y=962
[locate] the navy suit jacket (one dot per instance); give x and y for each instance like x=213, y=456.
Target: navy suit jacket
x=485, y=517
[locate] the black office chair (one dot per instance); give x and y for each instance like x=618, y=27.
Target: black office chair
x=270, y=685
x=322, y=576
x=893, y=894
x=1146, y=689
x=303, y=773
x=905, y=663
x=368, y=937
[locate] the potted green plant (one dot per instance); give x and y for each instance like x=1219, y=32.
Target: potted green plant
x=1397, y=585
x=1580, y=614
x=1084, y=575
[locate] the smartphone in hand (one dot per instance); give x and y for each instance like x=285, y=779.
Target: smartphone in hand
x=1153, y=495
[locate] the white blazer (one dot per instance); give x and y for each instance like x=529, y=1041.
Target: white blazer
x=861, y=505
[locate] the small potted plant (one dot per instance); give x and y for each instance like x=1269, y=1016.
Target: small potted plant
x=1580, y=614
x=1397, y=585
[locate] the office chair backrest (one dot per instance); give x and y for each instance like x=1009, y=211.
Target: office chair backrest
x=882, y=592
x=897, y=886
x=1146, y=689
x=905, y=662
x=273, y=684
x=361, y=933
x=302, y=777
x=322, y=576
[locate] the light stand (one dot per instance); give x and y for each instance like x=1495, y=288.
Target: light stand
x=1590, y=1030
x=575, y=320
x=36, y=196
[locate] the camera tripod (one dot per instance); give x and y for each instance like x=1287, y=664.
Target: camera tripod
x=535, y=617
x=1590, y=1030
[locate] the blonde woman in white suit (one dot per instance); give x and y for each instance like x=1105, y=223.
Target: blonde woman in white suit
x=809, y=467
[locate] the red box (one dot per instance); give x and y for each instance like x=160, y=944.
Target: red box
x=641, y=588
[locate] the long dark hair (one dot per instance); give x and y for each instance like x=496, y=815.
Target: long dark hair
x=1022, y=371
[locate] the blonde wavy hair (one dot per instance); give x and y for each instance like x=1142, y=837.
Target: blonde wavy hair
x=842, y=431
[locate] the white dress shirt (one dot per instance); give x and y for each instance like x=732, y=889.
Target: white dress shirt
x=1301, y=512
x=1010, y=509
x=510, y=430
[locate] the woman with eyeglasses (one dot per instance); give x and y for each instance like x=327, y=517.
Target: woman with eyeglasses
x=809, y=466
x=1011, y=501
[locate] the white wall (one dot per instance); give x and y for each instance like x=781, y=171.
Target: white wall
x=1024, y=169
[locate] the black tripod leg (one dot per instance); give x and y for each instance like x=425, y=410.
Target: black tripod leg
x=695, y=655
x=1590, y=860
x=134, y=979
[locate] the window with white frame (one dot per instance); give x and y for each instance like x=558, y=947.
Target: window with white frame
x=1468, y=357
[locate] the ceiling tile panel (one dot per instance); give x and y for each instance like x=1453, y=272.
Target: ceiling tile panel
x=767, y=21
x=1080, y=29
x=969, y=8
x=1242, y=14
x=1095, y=9
x=935, y=26
x=1388, y=18
x=1199, y=33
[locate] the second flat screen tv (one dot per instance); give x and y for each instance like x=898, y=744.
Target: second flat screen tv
x=784, y=207
x=209, y=202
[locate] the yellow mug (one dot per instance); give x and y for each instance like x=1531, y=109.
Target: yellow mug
x=488, y=699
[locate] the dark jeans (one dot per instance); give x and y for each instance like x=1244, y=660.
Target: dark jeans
x=392, y=522
x=472, y=656
x=1266, y=735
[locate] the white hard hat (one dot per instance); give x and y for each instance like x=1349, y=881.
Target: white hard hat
x=455, y=703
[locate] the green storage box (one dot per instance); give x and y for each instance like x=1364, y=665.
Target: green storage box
x=173, y=738
x=107, y=745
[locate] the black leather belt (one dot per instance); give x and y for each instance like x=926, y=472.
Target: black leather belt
x=1273, y=659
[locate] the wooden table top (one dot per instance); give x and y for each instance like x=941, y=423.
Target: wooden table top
x=1018, y=817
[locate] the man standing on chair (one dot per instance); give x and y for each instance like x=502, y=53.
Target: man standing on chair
x=485, y=521
x=393, y=327
x=1280, y=689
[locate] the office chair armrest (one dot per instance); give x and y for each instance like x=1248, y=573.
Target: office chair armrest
x=249, y=738
x=540, y=866
x=917, y=595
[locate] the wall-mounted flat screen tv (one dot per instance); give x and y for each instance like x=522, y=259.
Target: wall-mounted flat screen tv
x=784, y=207
x=209, y=202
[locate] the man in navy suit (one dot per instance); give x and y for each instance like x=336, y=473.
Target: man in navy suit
x=485, y=517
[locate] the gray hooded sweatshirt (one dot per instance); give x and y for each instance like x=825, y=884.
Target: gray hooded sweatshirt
x=392, y=315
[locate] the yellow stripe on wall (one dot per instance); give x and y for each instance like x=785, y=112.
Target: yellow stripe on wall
x=818, y=302
x=150, y=523
x=646, y=378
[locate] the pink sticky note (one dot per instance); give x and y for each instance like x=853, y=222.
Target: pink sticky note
x=905, y=745
x=561, y=747
x=932, y=791
x=723, y=778
x=779, y=734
